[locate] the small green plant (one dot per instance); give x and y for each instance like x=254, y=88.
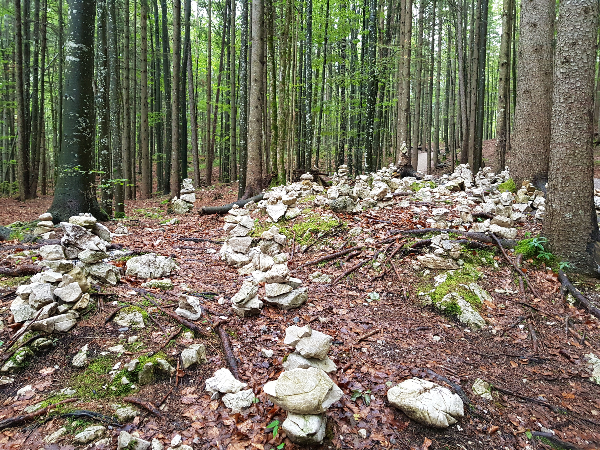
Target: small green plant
x=508, y=186
x=418, y=185
x=366, y=396
x=534, y=248
x=275, y=426
x=565, y=265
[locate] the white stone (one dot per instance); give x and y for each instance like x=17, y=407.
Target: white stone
x=224, y=382
x=59, y=324
x=150, y=265
x=294, y=333
x=295, y=361
x=292, y=299
x=435, y=262
x=427, y=402
x=502, y=232
x=89, y=434
x=482, y=389
x=126, y=413
x=240, y=244
x=52, y=438
x=305, y=429
x=103, y=273
x=279, y=273
x=188, y=198
x=70, y=293
x=21, y=310
x=275, y=289
x=125, y=318
x=247, y=292
x=594, y=362
x=46, y=217
x=194, y=354
x=41, y=294
x=52, y=252
x=128, y=442
x=80, y=359
x=276, y=211
x=314, y=346
x=238, y=401
x=251, y=308
x=189, y=307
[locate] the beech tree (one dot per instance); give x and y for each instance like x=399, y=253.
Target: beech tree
x=75, y=189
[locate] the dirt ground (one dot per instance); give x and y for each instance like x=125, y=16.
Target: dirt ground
x=533, y=352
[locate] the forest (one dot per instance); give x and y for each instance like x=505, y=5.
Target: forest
x=276, y=224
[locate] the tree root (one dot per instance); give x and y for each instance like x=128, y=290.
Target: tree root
x=332, y=256
x=19, y=271
x=515, y=266
x=186, y=323
x=146, y=405
x=227, y=350
x=578, y=295
x=481, y=237
x=554, y=440
x=20, y=420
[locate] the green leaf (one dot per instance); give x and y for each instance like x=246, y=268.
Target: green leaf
x=280, y=446
x=275, y=426
x=529, y=435
x=355, y=395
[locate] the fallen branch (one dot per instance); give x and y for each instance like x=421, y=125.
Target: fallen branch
x=227, y=350
x=79, y=413
x=146, y=405
x=554, y=440
x=186, y=323
x=515, y=266
x=114, y=313
x=9, y=355
x=578, y=295
x=190, y=239
x=366, y=335
x=481, y=237
x=22, y=331
x=349, y=271
x=453, y=385
x=205, y=210
x=19, y=271
x=20, y=420
x=332, y=256
x=534, y=339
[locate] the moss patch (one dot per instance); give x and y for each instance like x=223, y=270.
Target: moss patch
x=14, y=281
x=508, y=186
x=418, y=185
x=456, y=282
x=305, y=230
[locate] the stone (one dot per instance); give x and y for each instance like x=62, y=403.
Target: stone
x=276, y=211
x=76, y=275
x=21, y=310
x=128, y=442
x=248, y=309
x=294, y=333
x=49, y=276
x=70, y=293
x=128, y=318
x=187, y=185
x=126, y=413
x=83, y=303
x=279, y=273
x=80, y=358
x=427, y=402
x=146, y=375
x=91, y=256
x=305, y=429
x=238, y=401
x=89, y=434
x=594, y=363
x=46, y=217
x=482, y=389
x=53, y=252
x=78, y=238
x=132, y=365
x=42, y=345
x=295, y=361
x=342, y=204
x=467, y=313
x=502, y=232
x=83, y=220
x=188, y=198
x=102, y=232
x=121, y=230
x=432, y=261
x=157, y=445
x=60, y=266
x=247, y=292
x=314, y=346
x=303, y=391
x=292, y=213
x=180, y=206
x=275, y=289
x=194, y=354
x=17, y=360
x=267, y=353
x=150, y=265
x=189, y=307
x=165, y=284
x=379, y=190
x=292, y=299
x=41, y=295
x=224, y=382
x=240, y=244
x=103, y=273
x=54, y=437
x=4, y=380
x=270, y=248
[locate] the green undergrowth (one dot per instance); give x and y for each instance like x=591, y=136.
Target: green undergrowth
x=456, y=282
x=97, y=381
x=305, y=230
x=508, y=186
x=418, y=185
x=11, y=282
x=20, y=229
x=479, y=257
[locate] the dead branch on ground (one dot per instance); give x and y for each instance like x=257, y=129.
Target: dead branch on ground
x=578, y=295
x=19, y=271
x=146, y=405
x=205, y=210
x=515, y=266
x=20, y=420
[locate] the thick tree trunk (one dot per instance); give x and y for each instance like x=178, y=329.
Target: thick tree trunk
x=22, y=147
x=75, y=192
x=146, y=188
x=255, y=123
x=102, y=105
x=174, y=178
x=419, y=82
x=243, y=96
x=209, y=148
x=128, y=164
x=168, y=143
x=571, y=225
x=372, y=80
x=502, y=116
x=481, y=87
x=531, y=141
x=193, y=119
x=403, y=144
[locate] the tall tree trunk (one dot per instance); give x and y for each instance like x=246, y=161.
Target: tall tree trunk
x=174, y=183
x=473, y=85
x=146, y=188
x=255, y=123
x=322, y=102
x=209, y=148
x=571, y=224
x=22, y=147
x=102, y=108
x=529, y=160
x=419, y=83
x=502, y=116
x=158, y=124
x=75, y=192
x=193, y=119
x=308, y=74
x=403, y=150
x=168, y=144
x=243, y=96
x=372, y=80
x=438, y=83
x=128, y=166
x=462, y=82
x=481, y=86
x=232, y=106
x=273, y=85
x=34, y=151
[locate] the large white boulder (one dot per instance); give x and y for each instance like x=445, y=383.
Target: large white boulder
x=150, y=265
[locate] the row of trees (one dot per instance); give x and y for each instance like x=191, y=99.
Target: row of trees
x=296, y=85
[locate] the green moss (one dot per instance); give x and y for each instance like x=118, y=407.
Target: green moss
x=307, y=199
x=418, y=185
x=20, y=229
x=14, y=282
x=305, y=230
x=455, y=282
x=508, y=186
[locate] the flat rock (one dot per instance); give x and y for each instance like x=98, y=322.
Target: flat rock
x=189, y=307
x=70, y=293
x=305, y=429
x=224, y=382
x=91, y=256
x=435, y=262
x=246, y=293
x=41, y=294
x=314, y=346
x=295, y=361
x=103, y=273
x=427, y=402
x=279, y=273
x=240, y=244
x=101, y=231
x=89, y=434
x=133, y=319
x=52, y=252
x=21, y=310
x=293, y=299
x=150, y=265
x=251, y=308
x=59, y=324
x=276, y=211
x=194, y=354
x=276, y=289
x=503, y=232
x=303, y=391
x=294, y=333
x=80, y=359
x=60, y=266
x=128, y=442
x=238, y=401
x=126, y=413
x=84, y=220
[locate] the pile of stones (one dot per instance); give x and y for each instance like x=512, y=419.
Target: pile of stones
x=223, y=384
x=238, y=224
x=304, y=390
x=185, y=202
x=53, y=298
x=45, y=227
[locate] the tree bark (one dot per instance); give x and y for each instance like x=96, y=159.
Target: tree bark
x=22, y=147
x=502, y=116
x=529, y=160
x=146, y=188
x=75, y=192
x=128, y=165
x=209, y=148
x=419, y=82
x=243, y=96
x=168, y=144
x=255, y=123
x=174, y=183
x=571, y=224
x=102, y=105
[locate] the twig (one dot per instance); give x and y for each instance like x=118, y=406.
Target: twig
x=190, y=239
x=114, y=313
x=349, y=271
x=367, y=335
x=146, y=405
x=22, y=331
x=557, y=442
x=578, y=295
x=9, y=355
x=512, y=263
x=481, y=237
x=157, y=323
x=20, y=420
x=534, y=339
x=229, y=356
x=165, y=397
x=186, y=323
x=332, y=256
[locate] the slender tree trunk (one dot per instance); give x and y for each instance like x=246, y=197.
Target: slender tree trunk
x=102, y=108
x=502, y=116
x=128, y=166
x=255, y=125
x=571, y=224
x=75, y=192
x=419, y=83
x=146, y=188
x=373, y=85
x=22, y=147
x=464, y=153
x=209, y=148
x=481, y=86
x=438, y=81
x=243, y=96
x=34, y=151
x=193, y=119
x=168, y=144
x=232, y=106
x=274, y=144
x=529, y=159
x=404, y=156
x=174, y=183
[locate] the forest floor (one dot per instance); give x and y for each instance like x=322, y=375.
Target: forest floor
x=536, y=362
